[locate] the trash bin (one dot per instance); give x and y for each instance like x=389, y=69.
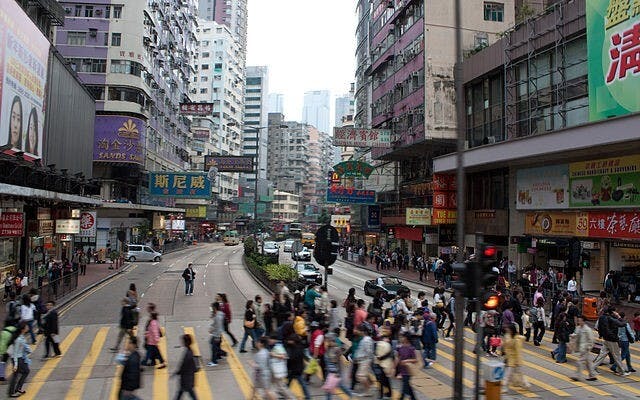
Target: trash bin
x=493, y=374
x=589, y=308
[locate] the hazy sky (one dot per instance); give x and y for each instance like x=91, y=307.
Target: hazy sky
x=307, y=45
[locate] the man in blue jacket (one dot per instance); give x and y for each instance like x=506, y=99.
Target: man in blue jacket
x=429, y=339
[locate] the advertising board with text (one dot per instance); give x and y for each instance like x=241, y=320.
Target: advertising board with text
x=444, y=217
x=613, y=43
x=618, y=224
x=611, y=182
x=355, y=169
x=196, y=109
x=229, y=163
x=11, y=224
x=543, y=188
x=359, y=137
x=24, y=55
x=418, y=216
x=88, y=224
x=557, y=224
x=119, y=138
x=341, y=194
x=179, y=184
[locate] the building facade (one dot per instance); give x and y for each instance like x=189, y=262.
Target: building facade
x=286, y=207
x=232, y=13
x=276, y=103
x=316, y=109
x=344, y=106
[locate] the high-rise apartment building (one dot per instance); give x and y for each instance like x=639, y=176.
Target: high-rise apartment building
x=219, y=80
x=232, y=13
x=344, y=106
x=316, y=109
x=276, y=103
x=254, y=135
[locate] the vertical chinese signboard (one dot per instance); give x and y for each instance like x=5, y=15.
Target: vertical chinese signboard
x=613, y=43
x=179, y=184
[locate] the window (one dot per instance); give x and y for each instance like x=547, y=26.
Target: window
x=217, y=67
x=88, y=11
x=204, y=78
x=76, y=38
x=96, y=91
x=203, y=91
x=126, y=67
x=493, y=12
x=116, y=39
x=127, y=94
x=107, y=12
x=205, y=66
x=205, y=55
x=78, y=12
x=117, y=12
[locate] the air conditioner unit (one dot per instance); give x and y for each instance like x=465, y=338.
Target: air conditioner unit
x=93, y=32
x=491, y=139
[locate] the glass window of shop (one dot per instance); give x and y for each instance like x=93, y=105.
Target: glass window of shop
x=8, y=252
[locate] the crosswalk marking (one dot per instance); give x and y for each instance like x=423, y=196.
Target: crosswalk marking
x=203, y=390
x=239, y=373
x=161, y=376
x=84, y=372
x=115, y=384
x=43, y=374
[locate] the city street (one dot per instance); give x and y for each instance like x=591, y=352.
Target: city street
x=88, y=369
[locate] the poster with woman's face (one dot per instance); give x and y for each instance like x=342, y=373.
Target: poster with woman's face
x=24, y=55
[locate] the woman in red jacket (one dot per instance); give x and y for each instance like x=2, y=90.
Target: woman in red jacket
x=226, y=309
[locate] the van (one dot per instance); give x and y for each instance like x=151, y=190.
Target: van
x=139, y=252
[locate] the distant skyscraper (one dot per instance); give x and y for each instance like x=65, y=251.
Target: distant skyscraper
x=316, y=109
x=276, y=103
x=344, y=106
x=256, y=116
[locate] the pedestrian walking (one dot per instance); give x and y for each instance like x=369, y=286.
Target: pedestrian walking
x=21, y=362
x=226, y=309
x=636, y=324
x=512, y=349
x=189, y=275
x=406, y=360
x=384, y=365
x=130, y=379
x=363, y=358
x=84, y=260
x=584, y=344
x=27, y=315
x=625, y=336
x=187, y=370
x=249, y=326
x=608, y=325
x=51, y=330
x=8, y=286
x=537, y=319
x=429, y=340
x=278, y=364
x=216, y=329
x=8, y=335
x=126, y=324
x=562, y=331
x=259, y=312
x=152, y=335
x=572, y=288
x=13, y=311
x=333, y=377
x=295, y=363
x=262, y=372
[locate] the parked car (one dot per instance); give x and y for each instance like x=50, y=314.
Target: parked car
x=139, y=252
x=389, y=285
x=288, y=245
x=309, y=272
x=302, y=255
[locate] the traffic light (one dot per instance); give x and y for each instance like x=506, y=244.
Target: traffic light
x=585, y=260
x=488, y=259
x=490, y=300
x=467, y=278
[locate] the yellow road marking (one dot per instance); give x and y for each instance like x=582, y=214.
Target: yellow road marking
x=115, y=386
x=239, y=373
x=43, y=374
x=78, y=383
x=161, y=376
x=472, y=367
x=203, y=390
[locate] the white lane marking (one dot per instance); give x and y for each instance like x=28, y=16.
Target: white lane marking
x=142, y=295
x=172, y=265
x=155, y=263
x=226, y=263
x=151, y=284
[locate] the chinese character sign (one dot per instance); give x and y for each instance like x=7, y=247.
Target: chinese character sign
x=619, y=224
x=88, y=224
x=24, y=54
x=418, y=216
x=197, y=109
x=341, y=194
x=119, y=138
x=356, y=137
x=613, y=44
x=179, y=184
x=353, y=169
x=229, y=163
x=11, y=224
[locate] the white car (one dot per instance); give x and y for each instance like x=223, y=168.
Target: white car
x=271, y=249
x=302, y=255
x=309, y=272
x=288, y=245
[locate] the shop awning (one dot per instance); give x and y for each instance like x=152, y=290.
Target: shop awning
x=22, y=191
x=141, y=207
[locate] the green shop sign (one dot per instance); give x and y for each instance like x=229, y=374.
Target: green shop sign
x=613, y=43
x=610, y=182
x=354, y=169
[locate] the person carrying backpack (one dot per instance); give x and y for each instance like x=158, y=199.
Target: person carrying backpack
x=7, y=336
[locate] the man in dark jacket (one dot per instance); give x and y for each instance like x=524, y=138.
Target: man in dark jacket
x=608, y=325
x=130, y=378
x=50, y=327
x=189, y=275
x=126, y=323
x=187, y=369
x=295, y=363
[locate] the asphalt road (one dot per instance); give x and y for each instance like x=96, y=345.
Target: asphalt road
x=88, y=370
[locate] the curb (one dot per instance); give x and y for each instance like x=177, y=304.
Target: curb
x=255, y=279
x=63, y=304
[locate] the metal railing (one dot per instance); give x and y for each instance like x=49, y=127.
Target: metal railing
x=57, y=288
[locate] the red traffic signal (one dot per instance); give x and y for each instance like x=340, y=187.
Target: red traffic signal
x=489, y=252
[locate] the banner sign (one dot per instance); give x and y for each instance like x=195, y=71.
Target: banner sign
x=88, y=224
x=444, y=217
x=611, y=182
x=418, y=216
x=179, y=184
x=618, y=225
x=543, y=187
x=229, y=163
x=340, y=221
x=46, y=227
x=354, y=169
x=201, y=134
x=356, y=137
x=373, y=217
x=177, y=224
x=613, y=66
x=340, y=194
x=24, y=55
x=196, y=212
x=557, y=223
x=11, y=224
x=119, y=139
x=196, y=109
x=68, y=226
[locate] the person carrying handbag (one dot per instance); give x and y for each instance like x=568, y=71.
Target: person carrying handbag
x=333, y=380
x=249, y=326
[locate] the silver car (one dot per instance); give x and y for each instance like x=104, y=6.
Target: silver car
x=288, y=245
x=271, y=249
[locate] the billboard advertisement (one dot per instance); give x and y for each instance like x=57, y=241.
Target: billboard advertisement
x=418, y=216
x=556, y=223
x=341, y=194
x=612, y=48
x=610, y=182
x=373, y=217
x=196, y=109
x=229, y=163
x=24, y=55
x=618, y=225
x=201, y=134
x=179, y=184
x=543, y=188
x=119, y=138
x=357, y=137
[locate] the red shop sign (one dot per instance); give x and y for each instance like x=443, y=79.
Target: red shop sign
x=614, y=224
x=11, y=224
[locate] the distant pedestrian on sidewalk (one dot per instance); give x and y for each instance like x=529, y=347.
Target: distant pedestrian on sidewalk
x=51, y=333
x=189, y=275
x=187, y=370
x=84, y=260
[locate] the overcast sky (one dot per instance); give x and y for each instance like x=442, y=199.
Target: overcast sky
x=307, y=45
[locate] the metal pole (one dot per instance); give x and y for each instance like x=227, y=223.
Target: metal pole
x=460, y=199
x=479, y=333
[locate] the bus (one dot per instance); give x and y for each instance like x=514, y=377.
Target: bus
x=231, y=238
x=308, y=239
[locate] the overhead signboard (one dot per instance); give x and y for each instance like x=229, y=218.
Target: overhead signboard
x=201, y=134
x=179, y=184
x=119, y=139
x=229, y=163
x=88, y=224
x=556, y=223
x=11, y=224
x=357, y=137
x=340, y=221
x=68, y=226
x=418, y=216
x=373, y=217
x=196, y=212
x=341, y=194
x=444, y=217
x=613, y=63
x=616, y=225
x=353, y=169
x=543, y=188
x=196, y=109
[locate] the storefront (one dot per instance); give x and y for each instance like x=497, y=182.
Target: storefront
x=12, y=228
